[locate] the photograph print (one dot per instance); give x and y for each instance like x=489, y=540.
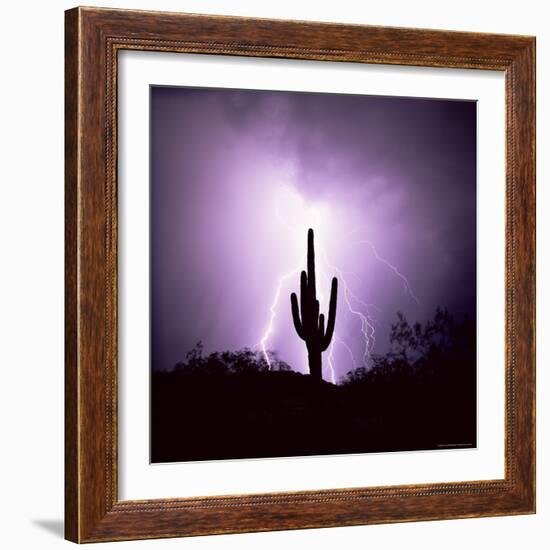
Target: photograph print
x=312, y=274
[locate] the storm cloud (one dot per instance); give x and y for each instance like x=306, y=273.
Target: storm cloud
x=237, y=176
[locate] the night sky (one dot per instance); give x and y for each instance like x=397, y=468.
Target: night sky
x=237, y=177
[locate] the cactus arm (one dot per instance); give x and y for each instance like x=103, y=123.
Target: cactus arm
x=315, y=319
x=331, y=315
x=296, y=316
x=321, y=327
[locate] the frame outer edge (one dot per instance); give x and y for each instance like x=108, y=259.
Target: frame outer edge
x=89, y=512
x=72, y=448
x=525, y=109
x=85, y=259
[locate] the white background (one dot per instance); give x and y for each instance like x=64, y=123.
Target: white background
x=31, y=300
x=140, y=480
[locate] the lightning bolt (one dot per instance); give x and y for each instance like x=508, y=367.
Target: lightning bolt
x=272, y=314
x=365, y=320
x=406, y=284
x=331, y=360
x=355, y=306
x=335, y=340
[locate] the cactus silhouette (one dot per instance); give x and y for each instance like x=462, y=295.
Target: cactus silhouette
x=309, y=324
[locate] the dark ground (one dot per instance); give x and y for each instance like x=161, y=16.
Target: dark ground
x=420, y=396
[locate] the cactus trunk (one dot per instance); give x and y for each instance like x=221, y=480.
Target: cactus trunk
x=315, y=364
x=309, y=324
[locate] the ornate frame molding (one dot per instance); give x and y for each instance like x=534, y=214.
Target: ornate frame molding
x=93, y=38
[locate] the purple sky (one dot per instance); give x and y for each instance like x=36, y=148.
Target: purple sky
x=237, y=177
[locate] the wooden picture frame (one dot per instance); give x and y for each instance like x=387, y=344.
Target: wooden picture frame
x=93, y=511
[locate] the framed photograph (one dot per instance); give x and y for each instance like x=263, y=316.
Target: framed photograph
x=300, y=275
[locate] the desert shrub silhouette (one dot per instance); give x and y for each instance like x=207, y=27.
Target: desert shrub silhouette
x=424, y=389
x=419, y=395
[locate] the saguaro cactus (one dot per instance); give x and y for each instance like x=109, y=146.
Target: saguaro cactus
x=309, y=324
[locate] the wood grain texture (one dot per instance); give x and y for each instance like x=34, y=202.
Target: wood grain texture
x=93, y=38
x=71, y=270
